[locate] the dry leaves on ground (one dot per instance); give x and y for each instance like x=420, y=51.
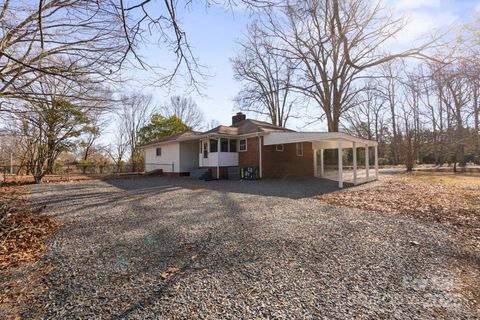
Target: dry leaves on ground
x=445, y=199
x=170, y=270
x=23, y=230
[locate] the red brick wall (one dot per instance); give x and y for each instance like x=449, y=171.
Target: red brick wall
x=223, y=172
x=286, y=163
x=250, y=157
x=278, y=164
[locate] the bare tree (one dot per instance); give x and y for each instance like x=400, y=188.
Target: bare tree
x=472, y=71
x=267, y=77
x=455, y=98
x=59, y=38
x=52, y=119
x=212, y=123
x=334, y=42
x=93, y=36
x=134, y=113
x=92, y=133
x=367, y=120
x=389, y=87
x=118, y=149
x=186, y=110
x=407, y=107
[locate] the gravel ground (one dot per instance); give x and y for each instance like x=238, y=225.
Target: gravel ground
x=178, y=248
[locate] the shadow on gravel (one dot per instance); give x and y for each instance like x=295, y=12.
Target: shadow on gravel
x=234, y=254
x=293, y=189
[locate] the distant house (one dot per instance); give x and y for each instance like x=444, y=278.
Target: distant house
x=251, y=148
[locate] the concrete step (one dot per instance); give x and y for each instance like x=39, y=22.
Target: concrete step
x=200, y=173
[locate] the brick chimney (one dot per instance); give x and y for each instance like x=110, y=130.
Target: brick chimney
x=238, y=117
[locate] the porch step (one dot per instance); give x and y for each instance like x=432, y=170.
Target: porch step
x=200, y=173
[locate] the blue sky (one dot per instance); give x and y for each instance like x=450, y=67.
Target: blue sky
x=213, y=33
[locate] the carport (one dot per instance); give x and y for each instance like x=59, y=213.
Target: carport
x=330, y=140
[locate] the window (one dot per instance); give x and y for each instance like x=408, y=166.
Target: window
x=223, y=145
x=213, y=145
x=242, y=145
x=200, y=147
x=299, y=149
x=159, y=152
x=205, y=149
x=233, y=145
x=279, y=147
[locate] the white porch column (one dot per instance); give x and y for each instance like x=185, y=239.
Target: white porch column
x=315, y=169
x=376, y=162
x=340, y=164
x=260, y=156
x=354, y=149
x=321, y=163
x=367, y=162
x=218, y=158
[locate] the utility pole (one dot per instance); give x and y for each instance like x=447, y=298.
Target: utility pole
x=11, y=163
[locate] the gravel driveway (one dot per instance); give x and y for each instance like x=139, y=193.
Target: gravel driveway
x=178, y=248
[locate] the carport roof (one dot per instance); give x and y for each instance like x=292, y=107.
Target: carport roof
x=322, y=140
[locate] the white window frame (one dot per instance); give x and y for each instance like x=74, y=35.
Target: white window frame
x=156, y=151
x=279, y=149
x=239, y=144
x=299, y=144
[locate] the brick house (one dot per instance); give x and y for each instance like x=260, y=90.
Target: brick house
x=255, y=147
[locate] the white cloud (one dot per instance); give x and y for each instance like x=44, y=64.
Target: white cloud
x=424, y=18
x=422, y=24
x=406, y=5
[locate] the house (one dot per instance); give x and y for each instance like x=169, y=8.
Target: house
x=255, y=147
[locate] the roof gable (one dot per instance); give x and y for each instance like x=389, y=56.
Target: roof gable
x=245, y=127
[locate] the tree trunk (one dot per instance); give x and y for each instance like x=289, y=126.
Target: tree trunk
x=476, y=133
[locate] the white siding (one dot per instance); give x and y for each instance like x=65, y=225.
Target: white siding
x=222, y=159
x=170, y=154
x=228, y=159
x=188, y=155
x=211, y=161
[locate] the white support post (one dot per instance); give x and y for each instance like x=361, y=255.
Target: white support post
x=354, y=149
x=376, y=162
x=218, y=158
x=315, y=169
x=340, y=164
x=321, y=163
x=367, y=162
x=260, y=156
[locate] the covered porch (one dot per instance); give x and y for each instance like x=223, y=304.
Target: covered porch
x=341, y=142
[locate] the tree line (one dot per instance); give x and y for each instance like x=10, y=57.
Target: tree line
x=63, y=66
x=330, y=61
